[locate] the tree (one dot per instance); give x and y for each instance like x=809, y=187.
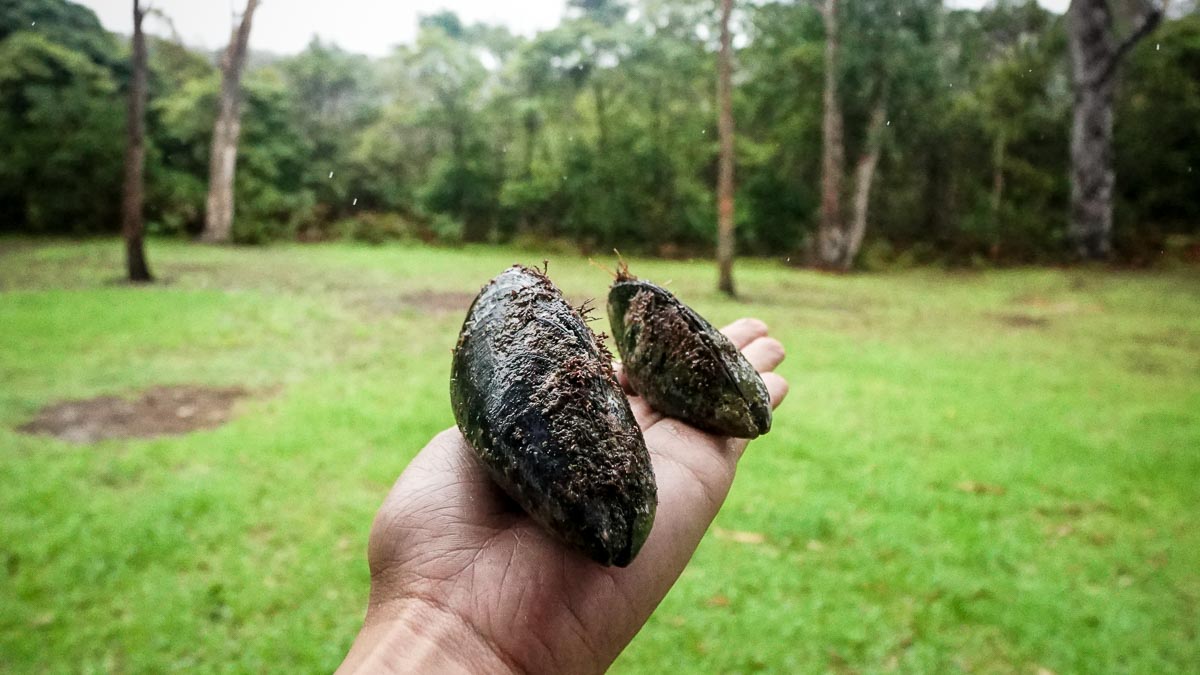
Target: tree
x=889, y=59
x=829, y=234
x=133, y=196
x=60, y=137
x=463, y=183
x=1157, y=144
x=1095, y=56
x=65, y=23
x=218, y=223
x=725, y=241
x=335, y=103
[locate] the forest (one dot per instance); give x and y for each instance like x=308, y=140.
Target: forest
x=973, y=233
x=603, y=132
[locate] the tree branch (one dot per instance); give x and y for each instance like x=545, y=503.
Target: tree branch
x=1147, y=20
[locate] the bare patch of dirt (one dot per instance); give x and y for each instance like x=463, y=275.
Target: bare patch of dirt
x=160, y=411
x=977, y=488
x=1023, y=320
x=438, y=301
x=427, y=302
x=1055, y=306
x=1177, y=338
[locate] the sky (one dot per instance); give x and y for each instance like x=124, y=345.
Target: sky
x=364, y=26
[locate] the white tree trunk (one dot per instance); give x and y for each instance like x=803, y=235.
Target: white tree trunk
x=864, y=177
x=218, y=215
x=1095, y=56
x=830, y=236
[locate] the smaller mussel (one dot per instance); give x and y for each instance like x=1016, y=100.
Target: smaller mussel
x=533, y=391
x=681, y=365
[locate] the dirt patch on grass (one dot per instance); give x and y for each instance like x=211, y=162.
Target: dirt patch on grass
x=424, y=302
x=438, y=301
x=1048, y=305
x=160, y=411
x=1023, y=320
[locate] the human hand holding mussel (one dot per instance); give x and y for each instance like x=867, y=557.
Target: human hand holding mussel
x=464, y=581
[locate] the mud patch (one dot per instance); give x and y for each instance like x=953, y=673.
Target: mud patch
x=1023, y=320
x=437, y=303
x=1053, y=306
x=160, y=411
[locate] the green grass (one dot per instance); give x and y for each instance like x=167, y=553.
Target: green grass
x=1069, y=398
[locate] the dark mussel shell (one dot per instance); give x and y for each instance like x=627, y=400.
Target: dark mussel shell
x=534, y=393
x=681, y=365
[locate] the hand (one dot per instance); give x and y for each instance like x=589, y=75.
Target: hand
x=462, y=579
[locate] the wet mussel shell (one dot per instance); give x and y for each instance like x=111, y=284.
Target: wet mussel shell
x=534, y=393
x=683, y=366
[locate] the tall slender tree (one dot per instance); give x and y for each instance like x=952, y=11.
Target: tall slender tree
x=833, y=160
x=133, y=194
x=218, y=216
x=1095, y=56
x=864, y=178
x=725, y=238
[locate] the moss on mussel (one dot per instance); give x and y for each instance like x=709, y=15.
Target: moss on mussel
x=683, y=366
x=534, y=393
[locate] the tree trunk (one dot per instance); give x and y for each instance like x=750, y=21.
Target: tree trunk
x=830, y=235
x=218, y=217
x=999, y=150
x=725, y=224
x=133, y=194
x=864, y=176
x=601, y=116
x=1095, y=56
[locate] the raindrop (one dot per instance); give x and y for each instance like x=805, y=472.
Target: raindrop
x=355, y=203
x=33, y=24
x=331, y=174
x=889, y=123
x=1157, y=46
x=704, y=131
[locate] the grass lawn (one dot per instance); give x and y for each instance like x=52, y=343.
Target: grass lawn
x=979, y=472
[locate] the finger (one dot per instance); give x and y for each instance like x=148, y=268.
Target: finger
x=777, y=387
x=645, y=415
x=623, y=379
x=744, y=331
x=765, y=354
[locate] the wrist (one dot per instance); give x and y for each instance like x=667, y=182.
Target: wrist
x=416, y=635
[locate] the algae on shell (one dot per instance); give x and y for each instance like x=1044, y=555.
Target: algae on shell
x=533, y=391
x=683, y=366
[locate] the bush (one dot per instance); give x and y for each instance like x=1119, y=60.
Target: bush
x=375, y=228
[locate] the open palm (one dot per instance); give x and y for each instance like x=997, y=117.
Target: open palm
x=450, y=547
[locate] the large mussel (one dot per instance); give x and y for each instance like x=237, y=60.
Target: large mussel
x=534, y=393
x=681, y=365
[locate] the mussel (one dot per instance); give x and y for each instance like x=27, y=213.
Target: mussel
x=681, y=365
x=534, y=392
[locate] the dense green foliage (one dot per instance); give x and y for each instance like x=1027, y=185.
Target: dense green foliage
x=601, y=132
x=986, y=473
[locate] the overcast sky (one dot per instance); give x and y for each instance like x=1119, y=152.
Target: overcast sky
x=364, y=26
